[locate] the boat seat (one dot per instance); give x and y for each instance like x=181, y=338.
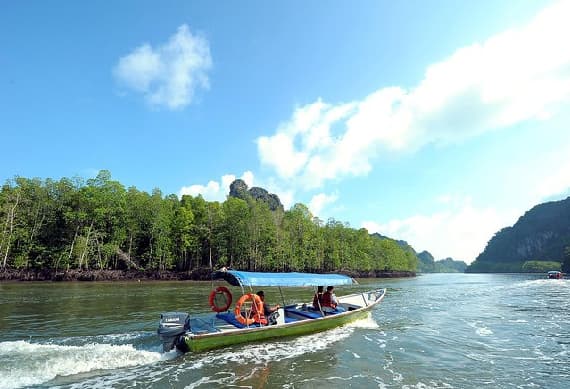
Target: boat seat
x=230, y=318
x=199, y=325
x=308, y=314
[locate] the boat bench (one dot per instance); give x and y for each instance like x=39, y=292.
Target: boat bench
x=199, y=325
x=311, y=314
x=230, y=318
x=300, y=312
x=350, y=307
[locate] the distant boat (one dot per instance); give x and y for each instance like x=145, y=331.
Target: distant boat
x=555, y=275
x=224, y=327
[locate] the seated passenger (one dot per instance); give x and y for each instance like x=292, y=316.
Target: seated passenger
x=330, y=302
x=318, y=298
x=267, y=310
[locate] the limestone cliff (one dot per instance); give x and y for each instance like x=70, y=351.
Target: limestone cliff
x=541, y=234
x=239, y=189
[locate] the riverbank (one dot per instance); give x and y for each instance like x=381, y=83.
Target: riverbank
x=151, y=275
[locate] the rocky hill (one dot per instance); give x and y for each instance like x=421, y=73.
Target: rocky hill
x=426, y=261
x=541, y=234
x=239, y=189
x=448, y=265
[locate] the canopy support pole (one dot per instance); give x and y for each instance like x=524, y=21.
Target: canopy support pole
x=282, y=297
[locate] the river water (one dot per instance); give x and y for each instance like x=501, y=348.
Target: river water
x=433, y=331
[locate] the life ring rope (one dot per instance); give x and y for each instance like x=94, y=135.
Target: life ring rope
x=227, y=296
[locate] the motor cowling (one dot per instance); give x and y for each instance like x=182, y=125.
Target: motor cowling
x=171, y=326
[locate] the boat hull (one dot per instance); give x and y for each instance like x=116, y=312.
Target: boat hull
x=204, y=342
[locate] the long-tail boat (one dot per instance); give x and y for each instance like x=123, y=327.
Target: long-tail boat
x=226, y=326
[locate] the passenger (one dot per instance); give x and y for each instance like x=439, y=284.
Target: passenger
x=318, y=298
x=330, y=302
x=268, y=310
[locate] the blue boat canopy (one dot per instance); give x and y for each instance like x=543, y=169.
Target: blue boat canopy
x=246, y=278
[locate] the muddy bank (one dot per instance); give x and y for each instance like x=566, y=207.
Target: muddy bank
x=102, y=275
x=379, y=274
x=135, y=275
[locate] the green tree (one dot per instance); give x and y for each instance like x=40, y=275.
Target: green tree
x=235, y=232
x=566, y=263
x=98, y=224
x=261, y=234
x=11, y=197
x=182, y=233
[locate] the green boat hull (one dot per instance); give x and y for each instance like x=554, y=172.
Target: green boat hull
x=203, y=342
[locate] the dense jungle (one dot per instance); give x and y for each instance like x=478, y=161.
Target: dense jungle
x=76, y=225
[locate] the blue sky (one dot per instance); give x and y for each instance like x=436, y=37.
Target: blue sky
x=436, y=122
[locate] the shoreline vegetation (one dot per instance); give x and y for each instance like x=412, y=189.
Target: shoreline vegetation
x=97, y=229
x=17, y=275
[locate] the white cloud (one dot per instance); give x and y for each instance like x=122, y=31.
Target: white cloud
x=555, y=180
x=213, y=190
x=278, y=152
x=227, y=180
x=463, y=230
x=558, y=182
x=218, y=191
x=460, y=232
x=247, y=177
x=319, y=201
x=170, y=73
x=287, y=197
x=516, y=76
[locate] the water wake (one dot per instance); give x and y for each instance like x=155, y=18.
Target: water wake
x=274, y=351
x=284, y=349
x=23, y=363
x=216, y=367
x=544, y=282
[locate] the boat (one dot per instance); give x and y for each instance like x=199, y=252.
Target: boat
x=555, y=275
x=225, y=326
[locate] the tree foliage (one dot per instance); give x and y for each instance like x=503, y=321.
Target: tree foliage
x=566, y=263
x=540, y=266
x=100, y=224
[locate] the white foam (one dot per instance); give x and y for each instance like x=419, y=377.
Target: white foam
x=367, y=322
x=318, y=382
x=24, y=363
x=124, y=377
x=206, y=381
x=431, y=385
x=484, y=331
x=108, y=338
x=280, y=350
x=543, y=282
x=480, y=328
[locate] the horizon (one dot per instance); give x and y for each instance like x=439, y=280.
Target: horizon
x=437, y=124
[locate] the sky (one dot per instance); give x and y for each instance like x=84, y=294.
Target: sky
x=436, y=122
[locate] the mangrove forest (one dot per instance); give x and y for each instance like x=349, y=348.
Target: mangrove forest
x=99, y=224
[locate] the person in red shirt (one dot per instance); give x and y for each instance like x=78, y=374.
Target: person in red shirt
x=330, y=301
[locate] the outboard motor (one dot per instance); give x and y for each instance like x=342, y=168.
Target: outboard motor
x=172, y=325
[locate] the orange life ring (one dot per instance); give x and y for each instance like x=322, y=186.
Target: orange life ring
x=212, y=299
x=255, y=315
